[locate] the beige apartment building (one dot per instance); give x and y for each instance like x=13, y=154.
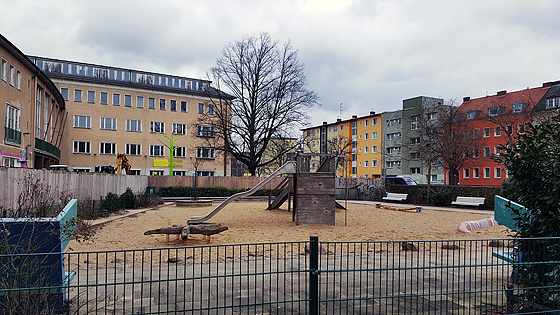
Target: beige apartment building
x=33, y=111
x=114, y=110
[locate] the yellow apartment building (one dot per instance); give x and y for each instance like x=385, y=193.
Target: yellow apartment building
x=115, y=110
x=33, y=111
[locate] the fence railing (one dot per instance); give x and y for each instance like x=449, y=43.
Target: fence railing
x=312, y=277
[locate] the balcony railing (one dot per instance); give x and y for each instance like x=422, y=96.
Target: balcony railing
x=12, y=135
x=47, y=147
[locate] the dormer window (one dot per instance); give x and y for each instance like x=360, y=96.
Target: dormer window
x=518, y=107
x=552, y=102
x=471, y=114
x=493, y=110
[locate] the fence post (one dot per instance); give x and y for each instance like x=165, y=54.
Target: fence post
x=314, y=275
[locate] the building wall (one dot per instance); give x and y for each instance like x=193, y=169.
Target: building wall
x=370, y=134
x=392, y=162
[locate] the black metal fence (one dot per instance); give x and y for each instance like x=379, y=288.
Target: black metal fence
x=312, y=277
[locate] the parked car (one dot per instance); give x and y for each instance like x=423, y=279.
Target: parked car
x=64, y=168
x=400, y=181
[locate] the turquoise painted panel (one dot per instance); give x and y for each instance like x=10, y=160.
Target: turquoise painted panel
x=504, y=214
x=67, y=214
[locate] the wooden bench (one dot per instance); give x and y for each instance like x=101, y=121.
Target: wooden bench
x=395, y=197
x=469, y=201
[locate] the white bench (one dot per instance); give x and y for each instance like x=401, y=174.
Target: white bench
x=469, y=201
x=395, y=197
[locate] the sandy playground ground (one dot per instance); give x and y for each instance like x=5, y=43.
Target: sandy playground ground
x=249, y=222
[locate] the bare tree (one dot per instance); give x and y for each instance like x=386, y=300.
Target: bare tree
x=259, y=93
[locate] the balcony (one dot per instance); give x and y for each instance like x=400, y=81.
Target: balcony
x=12, y=135
x=47, y=147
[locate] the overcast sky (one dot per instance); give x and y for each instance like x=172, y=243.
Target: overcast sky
x=367, y=55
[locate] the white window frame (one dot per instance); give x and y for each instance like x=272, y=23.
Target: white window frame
x=201, y=108
x=497, y=131
x=184, y=108
x=486, y=132
x=87, y=147
x=487, y=152
x=77, y=121
x=107, y=123
x=4, y=70
x=78, y=94
x=137, y=149
x=180, y=151
x=160, y=125
x=101, y=94
x=91, y=97
x=139, y=101
x=136, y=123
x=497, y=172
x=173, y=105
x=128, y=100
x=162, y=104
x=366, y=122
x=373, y=163
x=210, y=109
x=486, y=172
x=414, y=122
x=65, y=93
x=374, y=149
x=210, y=156
x=116, y=99
x=12, y=75
x=179, y=129
x=476, y=172
x=18, y=80
x=366, y=136
x=366, y=149
x=466, y=172
x=108, y=148
x=209, y=131
x=160, y=150
x=374, y=135
x=151, y=103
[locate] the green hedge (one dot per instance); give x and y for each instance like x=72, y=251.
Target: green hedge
x=185, y=191
x=442, y=195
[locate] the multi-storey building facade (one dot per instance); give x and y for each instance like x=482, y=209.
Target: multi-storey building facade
x=392, y=143
x=33, y=110
x=358, y=138
x=492, y=121
x=114, y=110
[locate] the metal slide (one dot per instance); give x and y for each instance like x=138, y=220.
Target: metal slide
x=288, y=168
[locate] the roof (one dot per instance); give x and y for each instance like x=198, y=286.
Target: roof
x=503, y=101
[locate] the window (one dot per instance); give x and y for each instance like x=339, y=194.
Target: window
x=497, y=172
x=476, y=173
x=179, y=129
x=550, y=102
x=476, y=133
x=471, y=114
x=414, y=140
x=341, y=127
x=12, y=75
x=509, y=130
x=116, y=99
x=374, y=122
x=156, y=173
x=373, y=163
x=466, y=173
x=392, y=136
x=366, y=136
x=104, y=98
x=64, y=92
x=497, y=150
x=414, y=155
x=493, y=111
x=82, y=121
x=157, y=126
x=497, y=131
x=162, y=103
x=12, y=124
x=208, y=131
x=205, y=173
x=486, y=152
x=434, y=177
x=486, y=172
x=433, y=116
x=91, y=96
x=335, y=128
x=82, y=147
x=151, y=103
x=396, y=121
x=128, y=100
x=391, y=164
x=173, y=105
x=475, y=152
x=107, y=148
x=521, y=128
x=366, y=122
x=156, y=150
x=133, y=125
x=108, y=123
x=133, y=149
x=77, y=95
x=140, y=101
x=414, y=122
x=4, y=70
x=366, y=149
x=204, y=153
x=392, y=150
x=415, y=170
x=517, y=107
x=180, y=152
x=134, y=172
x=374, y=149
x=210, y=109
x=183, y=106
x=374, y=135
x=179, y=173
x=19, y=80
x=486, y=132
x=201, y=108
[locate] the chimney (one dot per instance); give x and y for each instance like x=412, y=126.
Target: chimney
x=502, y=93
x=466, y=99
x=338, y=120
x=547, y=84
x=354, y=116
x=324, y=123
x=372, y=113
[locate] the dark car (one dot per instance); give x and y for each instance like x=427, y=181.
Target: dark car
x=400, y=181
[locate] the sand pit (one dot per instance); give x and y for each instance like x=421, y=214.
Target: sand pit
x=250, y=223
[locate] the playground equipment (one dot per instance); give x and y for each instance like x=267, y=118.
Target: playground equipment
x=313, y=191
x=122, y=162
x=468, y=226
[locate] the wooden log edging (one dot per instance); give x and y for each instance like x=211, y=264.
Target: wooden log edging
x=206, y=229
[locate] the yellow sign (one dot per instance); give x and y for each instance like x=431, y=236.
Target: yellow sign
x=165, y=163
